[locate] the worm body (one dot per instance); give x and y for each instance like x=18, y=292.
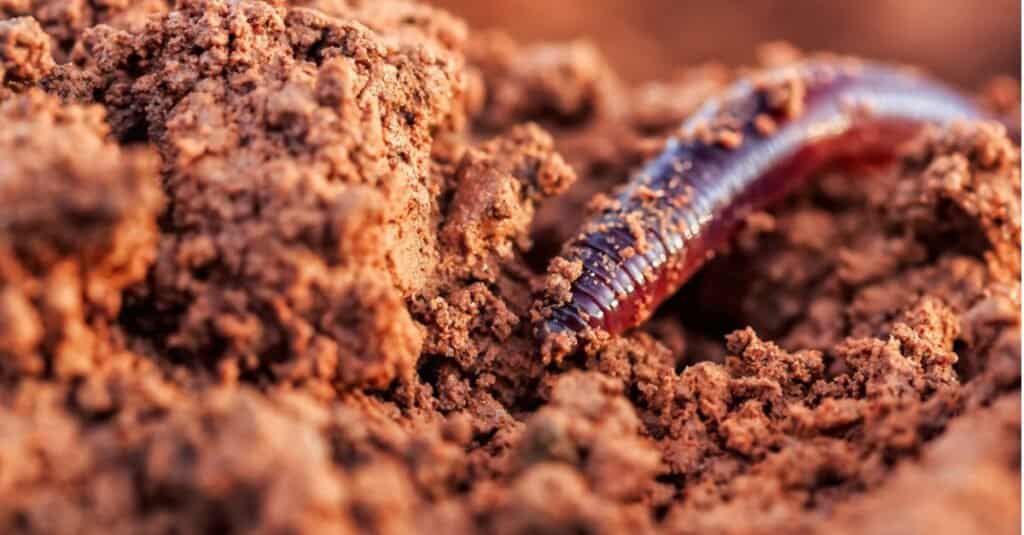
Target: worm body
x=737, y=155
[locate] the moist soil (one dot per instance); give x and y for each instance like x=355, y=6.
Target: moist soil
x=269, y=266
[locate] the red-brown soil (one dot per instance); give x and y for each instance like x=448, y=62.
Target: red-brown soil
x=268, y=267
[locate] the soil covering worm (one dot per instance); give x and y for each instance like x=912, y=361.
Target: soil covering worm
x=760, y=141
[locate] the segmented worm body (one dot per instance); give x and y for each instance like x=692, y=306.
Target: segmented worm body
x=737, y=155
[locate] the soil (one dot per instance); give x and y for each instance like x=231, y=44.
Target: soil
x=268, y=267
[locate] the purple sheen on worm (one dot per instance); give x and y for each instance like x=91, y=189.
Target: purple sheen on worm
x=687, y=202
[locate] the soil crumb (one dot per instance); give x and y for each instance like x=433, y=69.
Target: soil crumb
x=268, y=267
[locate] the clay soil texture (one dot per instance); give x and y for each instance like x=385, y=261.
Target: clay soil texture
x=268, y=267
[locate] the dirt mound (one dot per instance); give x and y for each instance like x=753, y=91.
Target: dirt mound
x=268, y=266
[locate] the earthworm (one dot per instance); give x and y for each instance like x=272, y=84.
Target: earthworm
x=738, y=154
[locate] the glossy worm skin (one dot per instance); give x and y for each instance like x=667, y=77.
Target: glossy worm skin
x=688, y=201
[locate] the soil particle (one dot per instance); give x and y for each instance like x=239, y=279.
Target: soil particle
x=74, y=233
x=24, y=54
x=64, y=21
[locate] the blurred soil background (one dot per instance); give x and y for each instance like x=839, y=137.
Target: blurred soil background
x=962, y=41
